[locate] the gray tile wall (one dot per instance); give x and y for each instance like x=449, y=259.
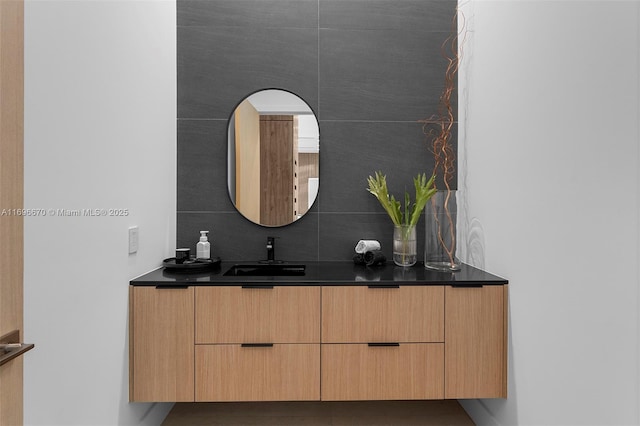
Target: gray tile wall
x=370, y=69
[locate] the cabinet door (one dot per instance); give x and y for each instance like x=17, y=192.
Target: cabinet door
x=288, y=372
x=359, y=314
x=476, y=342
x=367, y=372
x=285, y=314
x=161, y=344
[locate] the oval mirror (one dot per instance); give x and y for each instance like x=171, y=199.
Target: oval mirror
x=273, y=157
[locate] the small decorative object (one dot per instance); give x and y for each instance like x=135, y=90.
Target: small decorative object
x=405, y=250
x=364, y=246
x=370, y=258
x=405, y=246
x=190, y=265
x=182, y=255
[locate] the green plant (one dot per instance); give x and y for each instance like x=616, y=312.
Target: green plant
x=425, y=189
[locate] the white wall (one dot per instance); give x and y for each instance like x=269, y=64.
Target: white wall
x=549, y=93
x=100, y=114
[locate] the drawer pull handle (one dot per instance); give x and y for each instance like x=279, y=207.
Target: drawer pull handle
x=171, y=287
x=379, y=344
x=256, y=345
x=384, y=286
x=470, y=285
x=265, y=287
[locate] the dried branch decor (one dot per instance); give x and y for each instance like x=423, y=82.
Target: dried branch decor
x=438, y=129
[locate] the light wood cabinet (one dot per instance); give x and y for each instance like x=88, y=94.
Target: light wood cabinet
x=377, y=342
x=476, y=342
x=279, y=372
x=330, y=342
x=258, y=314
x=361, y=314
x=161, y=344
x=376, y=372
x=257, y=343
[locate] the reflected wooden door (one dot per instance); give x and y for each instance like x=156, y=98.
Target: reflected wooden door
x=11, y=203
x=276, y=169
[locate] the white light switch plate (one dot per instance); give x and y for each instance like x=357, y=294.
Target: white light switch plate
x=133, y=239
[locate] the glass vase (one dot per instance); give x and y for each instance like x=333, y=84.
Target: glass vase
x=441, y=213
x=405, y=247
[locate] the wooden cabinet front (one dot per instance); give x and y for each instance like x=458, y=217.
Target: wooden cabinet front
x=161, y=345
x=476, y=333
x=286, y=372
x=361, y=314
x=282, y=314
x=364, y=372
x=257, y=343
x=318, y=342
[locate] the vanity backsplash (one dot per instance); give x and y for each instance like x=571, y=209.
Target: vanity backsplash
x=369, y=73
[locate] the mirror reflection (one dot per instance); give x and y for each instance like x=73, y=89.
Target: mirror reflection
x=273, y=157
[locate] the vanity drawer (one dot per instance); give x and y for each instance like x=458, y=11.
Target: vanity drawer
x=364, y=372
x=361, y=314
x=257, y=314
x=161, y=345
x=281, y=372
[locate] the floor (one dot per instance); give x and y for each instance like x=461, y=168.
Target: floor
x=369, y=413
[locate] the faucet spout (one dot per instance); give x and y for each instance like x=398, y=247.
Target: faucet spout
x=271, y=249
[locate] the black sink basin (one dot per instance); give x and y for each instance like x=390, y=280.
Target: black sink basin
x=265, y=270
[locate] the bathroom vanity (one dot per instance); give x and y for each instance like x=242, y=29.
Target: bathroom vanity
x=340, y=332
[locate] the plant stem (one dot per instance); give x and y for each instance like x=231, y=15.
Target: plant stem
x=439, y=127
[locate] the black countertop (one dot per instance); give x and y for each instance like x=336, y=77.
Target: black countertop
x=325, y=273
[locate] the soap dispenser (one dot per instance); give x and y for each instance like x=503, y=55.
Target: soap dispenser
x=203, y=248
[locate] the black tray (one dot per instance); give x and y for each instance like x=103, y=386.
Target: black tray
x=192, y=264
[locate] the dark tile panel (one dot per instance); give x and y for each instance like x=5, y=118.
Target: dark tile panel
x=248, y=13
x=352, y=151
x=411, y=15
x=382, y=75
x=380, y=71
x=218, y=67
x=340, y=233
x=202, y=166
x=235, y=238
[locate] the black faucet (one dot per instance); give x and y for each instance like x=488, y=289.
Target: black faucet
x=271, y=249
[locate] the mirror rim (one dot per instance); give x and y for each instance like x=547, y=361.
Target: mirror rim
x=230, y=122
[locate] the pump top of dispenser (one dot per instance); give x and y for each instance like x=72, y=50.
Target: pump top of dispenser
x=203, y=236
